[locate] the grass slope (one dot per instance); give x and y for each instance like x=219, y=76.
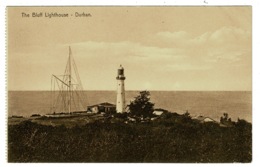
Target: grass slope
x=174, y=138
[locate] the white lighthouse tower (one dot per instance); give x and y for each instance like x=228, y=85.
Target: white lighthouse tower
x=120, y=101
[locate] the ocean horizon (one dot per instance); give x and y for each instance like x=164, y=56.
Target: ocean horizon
x=238, y=104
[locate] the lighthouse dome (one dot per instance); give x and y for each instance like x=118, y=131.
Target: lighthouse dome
x=120, y=67
x=120, y=73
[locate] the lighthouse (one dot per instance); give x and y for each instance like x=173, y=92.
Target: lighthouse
x=120, y=101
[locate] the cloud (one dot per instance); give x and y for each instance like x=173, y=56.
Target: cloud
x=229, y=44
x=179, y=51
x=222, y=35
x=186, y=67
x=179, y=35
x=230, y=34
x=126, y=49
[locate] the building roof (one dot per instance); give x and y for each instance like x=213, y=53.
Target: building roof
x=105, y=104
x=158, y=112
x=204, y=119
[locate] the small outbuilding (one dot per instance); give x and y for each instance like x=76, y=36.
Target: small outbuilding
x=203, y=119
x=158, y=113
x=102, y=107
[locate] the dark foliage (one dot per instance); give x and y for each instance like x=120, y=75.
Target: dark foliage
x=121, y=115
x=172, y=138
x=35, y=115
x=141, y=106
x=225, y=120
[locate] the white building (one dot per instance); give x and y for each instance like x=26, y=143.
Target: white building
x=203, y=119
x=158, y=113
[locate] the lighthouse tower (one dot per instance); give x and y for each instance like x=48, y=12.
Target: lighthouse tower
x=120, y=101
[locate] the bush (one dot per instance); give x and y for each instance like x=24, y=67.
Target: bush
x=141, y=106
x=121, y=115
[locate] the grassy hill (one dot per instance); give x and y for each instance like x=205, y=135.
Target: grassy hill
x=171, y=138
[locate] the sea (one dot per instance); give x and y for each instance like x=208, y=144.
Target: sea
x=238, y=104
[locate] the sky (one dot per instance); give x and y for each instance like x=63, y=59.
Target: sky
x=160, y=48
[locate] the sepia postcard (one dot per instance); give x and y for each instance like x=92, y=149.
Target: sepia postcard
x=162, y=84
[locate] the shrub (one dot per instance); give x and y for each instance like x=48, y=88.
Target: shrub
x=141, y=106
